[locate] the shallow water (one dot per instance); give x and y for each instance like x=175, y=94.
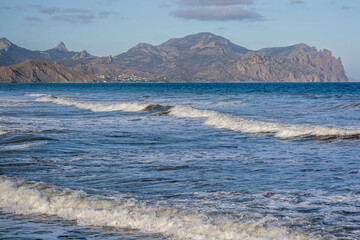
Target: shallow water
x=180, y=161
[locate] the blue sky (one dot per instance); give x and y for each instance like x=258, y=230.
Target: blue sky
x=105, y=27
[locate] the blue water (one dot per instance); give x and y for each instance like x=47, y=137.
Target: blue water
x=180, y=161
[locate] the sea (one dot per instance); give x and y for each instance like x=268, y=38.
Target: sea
x=200, y=161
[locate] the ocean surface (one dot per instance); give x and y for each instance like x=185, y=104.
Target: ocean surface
x=180, y=161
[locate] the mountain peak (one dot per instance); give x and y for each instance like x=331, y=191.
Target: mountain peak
x=204, y=40
x=301, y=46
x=61, y=46
x=81, y=55
x=203, y=34
x=196, y=38
x=143, y=45
x=4, y=44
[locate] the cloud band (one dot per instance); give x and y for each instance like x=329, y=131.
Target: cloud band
x=221, y=13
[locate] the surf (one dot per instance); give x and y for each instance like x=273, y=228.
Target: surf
x=94, y=107
x=22, y=197
x=233, y=123
x=212, y=118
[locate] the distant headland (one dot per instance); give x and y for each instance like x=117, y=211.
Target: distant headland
x=202, y=57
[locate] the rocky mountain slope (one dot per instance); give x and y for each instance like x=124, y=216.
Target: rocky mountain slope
x=202, y=57
x=207, y=57
x=39, y=71
x=298, y=63
x=183, y=57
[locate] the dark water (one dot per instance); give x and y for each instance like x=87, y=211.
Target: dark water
x=180, y=161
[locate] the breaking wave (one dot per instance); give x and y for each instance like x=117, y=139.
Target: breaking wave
x=36, y=198
x=226, y=121
x=37, y=95
x=3, y=132
x=213, y=118
x=94, y=107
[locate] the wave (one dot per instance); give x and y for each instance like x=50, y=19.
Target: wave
x=34, y=198
x=17, y=140
x=95, y=107
x=23, y=131
x=37, y=95
x=214, y=119
x=17, y=147
x=355, y=106
x=226, y=121
x=24, y=138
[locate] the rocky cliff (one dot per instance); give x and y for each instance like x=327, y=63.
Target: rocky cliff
x=38, y=71
x=299, y=63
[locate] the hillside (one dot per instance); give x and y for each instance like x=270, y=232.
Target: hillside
x=39, y=71
x=207, y=57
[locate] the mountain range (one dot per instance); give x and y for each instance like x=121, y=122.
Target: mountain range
x=202, y=57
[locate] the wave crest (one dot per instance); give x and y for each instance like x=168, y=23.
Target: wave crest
x=34, y=198
x=95, y=107
x=213, y=118
x=226, y=121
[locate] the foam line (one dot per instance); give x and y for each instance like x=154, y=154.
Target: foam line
x=3, y=132
x=214, y=119
x=36, y=95
x=35, y=198
x=226, y=121
x=95, y=107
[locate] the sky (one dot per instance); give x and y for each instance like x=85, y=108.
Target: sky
x=111, y=27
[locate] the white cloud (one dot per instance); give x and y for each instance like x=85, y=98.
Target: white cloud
x=221, y=13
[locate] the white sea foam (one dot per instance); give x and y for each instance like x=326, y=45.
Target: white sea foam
x=3, y=132
x=215, y=119
x=34, y=198
x=95, y=107
x=20, y=146
x=36, y=95
x=220, y=120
